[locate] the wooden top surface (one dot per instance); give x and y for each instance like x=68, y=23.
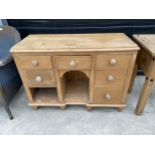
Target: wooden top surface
x=147, y=41
x=75, y=42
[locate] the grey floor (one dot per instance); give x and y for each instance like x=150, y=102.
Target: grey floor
x=76, y=120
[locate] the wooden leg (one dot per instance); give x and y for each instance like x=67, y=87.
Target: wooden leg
x=120, y=109
x=133, y=78
x=63, y=107
x=34, y=107
x=145, y=93
x=89, y=108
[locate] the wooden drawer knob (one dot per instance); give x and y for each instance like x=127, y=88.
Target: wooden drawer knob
x=108, y=96
x=35, y=63
x=110, y=78
x=38, y=79
x=113, y=61
x=72, y=63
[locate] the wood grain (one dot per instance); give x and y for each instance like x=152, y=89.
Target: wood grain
x=75, y=68
x=104, y=61
x=110, y=78
x=100, y=96
x=73, y=62
x=26, y=62
x=146, y=41
x=47, y=78
x=145, y=93
x=146, y=61
x=75, y=43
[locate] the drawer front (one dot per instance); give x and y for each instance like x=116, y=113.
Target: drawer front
x=73, y=62
x=34, y=62
x=112, y=61
x=108, y=96
x=110, y=78
x=39, y=78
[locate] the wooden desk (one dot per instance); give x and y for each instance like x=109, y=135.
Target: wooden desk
x=146, y=62
x=76, y=69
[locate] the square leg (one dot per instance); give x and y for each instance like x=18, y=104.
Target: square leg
x=145, y=93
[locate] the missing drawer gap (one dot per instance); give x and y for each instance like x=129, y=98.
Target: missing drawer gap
x=75, y=87
x=44, y=95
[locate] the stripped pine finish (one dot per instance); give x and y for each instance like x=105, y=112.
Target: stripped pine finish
x=76, y=69
x=146, y=62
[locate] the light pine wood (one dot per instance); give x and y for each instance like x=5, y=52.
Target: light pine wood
x=59, y=87
x=145, y=93
x=128, y=79
x=75, y=43
x=134, y=73
x=34, y=62
x=114, y=105
x=107, y=96
x=112, y=61
x=92, y=80
x=40, y=78
x=152, y=67
x=110, y=78
x=28, y=91
x=73, y=62
x=146, y=62
x=76, y=69
x=146, y=41
x=77, y=91
x=75, y=74
x=45, y=95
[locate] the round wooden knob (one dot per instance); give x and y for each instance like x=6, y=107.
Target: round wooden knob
x=38, y=79
x=110, y=78
x=113, y=61
x=108, y=96
x=35, y=63
x=72, y=63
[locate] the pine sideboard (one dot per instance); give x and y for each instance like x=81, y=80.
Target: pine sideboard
x=76, y=69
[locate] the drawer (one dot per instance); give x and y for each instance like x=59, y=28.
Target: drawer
x=39, y=78
x=110, y=78
x=112, y=61
x=73, y=62
x=34, y=62
x=108, y=96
